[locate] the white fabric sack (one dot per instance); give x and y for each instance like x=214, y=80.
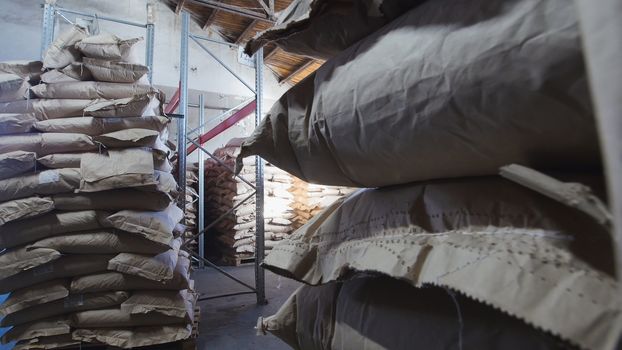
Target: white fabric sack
x=107, y=46
x=62, y=51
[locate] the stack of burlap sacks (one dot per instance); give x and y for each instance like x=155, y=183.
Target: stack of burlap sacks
x=310, y=199
x=470, y=124
x=87, y=219
x=190, y=214
x=233, y=238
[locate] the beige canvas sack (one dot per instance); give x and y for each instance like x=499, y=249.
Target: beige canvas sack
x=13, y=87
x=96, y=126
x=110, y=281
x=62, y=51
x=157, y=226
x=145, y=105
x=115, y=72
x=107, y=46
x=458, y=99
x=34, y=295
x=16, y=260
x=73, y=303
x=61, y=160
x=108, y=241
x=128, y=138
x=111, y=200
x=21, y=232
x=91, y=90
x=159, y=267
x=178, y=304
x=44, y=144
x=46, y=108
x=76, y=71
x=13, y=163
x=42, y=183
x=54, y=76
x=487, y=238
x=65, y=266
x=25, y=69
x=45, y=343
x=11, y=123
x=134, y=337
x=24, y=208
x=38, y=328
x=117, y=318
x=131, y=167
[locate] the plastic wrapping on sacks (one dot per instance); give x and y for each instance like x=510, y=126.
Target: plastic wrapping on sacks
x=469, y=87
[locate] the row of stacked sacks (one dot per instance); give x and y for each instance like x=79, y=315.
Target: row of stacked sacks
x=88, y=227
x=190, y=214
x=441, y=251
x=310, y=199
x=233, y=238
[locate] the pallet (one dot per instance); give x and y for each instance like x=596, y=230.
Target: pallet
x=244, y=260
x=186, y=344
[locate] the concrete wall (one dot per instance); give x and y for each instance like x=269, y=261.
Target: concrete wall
x=20, y=38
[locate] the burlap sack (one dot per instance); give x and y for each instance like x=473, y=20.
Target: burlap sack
x=11, y=123
x=112, y=200
x=21, y=232
x=115, y=318
x=46, y=108
x=34, y=295
x=44, y=144
x=62, y=51
x=65, y=266
x=178, y=304
x=25, y=69
x=38, y=328
x=76, y=71
x=107, y=46
x=56, y=76
x=16, y=260
x=134, y=337
x=128, y=138
x=110, y=281
x=428, y=112
x=115, y=72
x=42, y=183
x=13, y=163
x=486, y=238
x=91, y=90
x=136, y=106
x=159, y=267
x=61, y=160
x=73, y=303
x=106, y=241
x=384, y=313
x=24, y=208
x=157, y=226
x=13, y=87
x=97, y=126
x=131, y=167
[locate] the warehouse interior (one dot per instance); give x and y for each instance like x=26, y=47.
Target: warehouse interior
x=310, y=174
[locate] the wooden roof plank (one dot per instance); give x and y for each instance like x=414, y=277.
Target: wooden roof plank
x=210, y=19
x=180, y=6
x=245, y=32
x=240, y=11
x=297, y=71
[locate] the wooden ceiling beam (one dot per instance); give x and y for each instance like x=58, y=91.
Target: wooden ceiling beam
x=241, y=11
x=265, y=7
x=272, y=53
x=180, y=6
x=297, y=71
x=245, y=32
x=210, y=19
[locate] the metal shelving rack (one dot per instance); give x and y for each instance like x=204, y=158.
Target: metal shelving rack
x=51, y=12
x=182, y=123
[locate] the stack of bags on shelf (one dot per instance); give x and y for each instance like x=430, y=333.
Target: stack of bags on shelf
x=192, y=197
x=88, y=226
x=310, y=199
x=472, y=126
x=233, y=238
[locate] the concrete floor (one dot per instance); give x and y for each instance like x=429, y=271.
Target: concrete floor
x=229, y=323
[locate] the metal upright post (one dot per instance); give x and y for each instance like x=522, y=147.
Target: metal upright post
x=259, y=194
x=182, y=122
x=47, y=35
x=150, y=40
x=201, y=184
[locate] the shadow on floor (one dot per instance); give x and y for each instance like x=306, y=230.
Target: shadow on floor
x=229, y=323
